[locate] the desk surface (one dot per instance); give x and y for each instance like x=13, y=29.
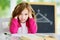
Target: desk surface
x=30, y=37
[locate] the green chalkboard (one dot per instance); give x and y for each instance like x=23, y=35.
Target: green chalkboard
x=45, y=14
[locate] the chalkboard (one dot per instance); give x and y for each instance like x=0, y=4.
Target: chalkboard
x=45, y=17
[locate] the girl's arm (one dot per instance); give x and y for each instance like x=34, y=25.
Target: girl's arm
x=32, y=25
x=32, y=22
x=14, y=26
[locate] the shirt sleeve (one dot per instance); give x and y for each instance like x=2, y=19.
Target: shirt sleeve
x=14, y=26
x=32, y=25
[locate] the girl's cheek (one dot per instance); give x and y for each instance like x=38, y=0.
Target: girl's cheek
x=27, y=16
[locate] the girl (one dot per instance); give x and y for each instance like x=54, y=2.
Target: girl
x=23, y=20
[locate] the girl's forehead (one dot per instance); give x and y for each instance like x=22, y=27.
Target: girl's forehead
x=25, y=10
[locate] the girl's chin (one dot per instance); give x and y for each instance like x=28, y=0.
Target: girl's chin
x=23, y=22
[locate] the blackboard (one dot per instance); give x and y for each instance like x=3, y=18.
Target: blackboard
x=45, y=17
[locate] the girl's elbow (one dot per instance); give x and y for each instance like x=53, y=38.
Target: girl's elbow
x=34, y=31
x=13, y=32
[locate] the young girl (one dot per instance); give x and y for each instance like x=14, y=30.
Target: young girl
x=23, y=20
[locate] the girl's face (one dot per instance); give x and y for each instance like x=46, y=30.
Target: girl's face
x=24, y=15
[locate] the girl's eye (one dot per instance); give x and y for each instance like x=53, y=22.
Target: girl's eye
x=26, y=14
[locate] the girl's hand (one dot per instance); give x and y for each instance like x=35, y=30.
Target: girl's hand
x=15, y=17
x=30, y=12
x=30, y=15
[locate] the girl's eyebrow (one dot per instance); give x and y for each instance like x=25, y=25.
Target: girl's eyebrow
x=26, y=13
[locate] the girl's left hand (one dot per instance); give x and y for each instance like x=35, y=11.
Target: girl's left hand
x=30, y=12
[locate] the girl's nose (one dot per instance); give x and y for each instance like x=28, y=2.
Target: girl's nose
x=23, y=16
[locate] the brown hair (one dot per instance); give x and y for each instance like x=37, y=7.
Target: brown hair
x=20, y=7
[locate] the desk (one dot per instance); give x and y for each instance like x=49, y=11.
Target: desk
x=27, y=37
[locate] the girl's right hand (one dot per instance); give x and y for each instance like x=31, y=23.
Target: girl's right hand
x=15, y=17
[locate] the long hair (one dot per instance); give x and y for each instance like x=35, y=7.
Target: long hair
x=20, y=7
